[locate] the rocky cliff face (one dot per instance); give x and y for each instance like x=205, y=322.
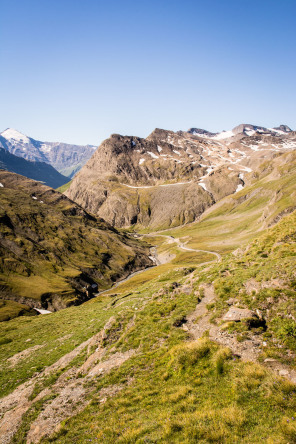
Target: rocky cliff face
x=53, y=253
x=170, y=178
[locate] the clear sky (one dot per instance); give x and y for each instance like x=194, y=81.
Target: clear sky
x=78, y=70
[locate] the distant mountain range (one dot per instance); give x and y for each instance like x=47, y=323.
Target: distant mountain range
x=65, y=158
x=161, y=158
x=41, y=171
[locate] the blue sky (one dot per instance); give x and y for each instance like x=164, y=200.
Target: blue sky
x=77, y=71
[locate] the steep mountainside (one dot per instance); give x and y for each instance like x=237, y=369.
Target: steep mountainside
x=268, y=195
x=41, y=171
x=170, y=178
x=203, y=352
x=53, y=253
x=65, y=158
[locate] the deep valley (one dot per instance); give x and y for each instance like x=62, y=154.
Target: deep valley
x=166, y=269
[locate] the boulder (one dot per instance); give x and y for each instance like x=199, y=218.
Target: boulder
x=238, y=314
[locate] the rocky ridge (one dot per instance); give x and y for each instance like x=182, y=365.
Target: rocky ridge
x=171, y=178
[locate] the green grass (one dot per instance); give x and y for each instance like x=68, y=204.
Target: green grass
x=64, y=187
x=188, y=402
x=11, y=309
x=174, y=390
x=51, y=249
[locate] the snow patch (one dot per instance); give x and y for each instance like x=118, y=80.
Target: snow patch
x=141, y=161
x=223, y=135
x=277, y=131
x=250, y=132
x=239, y=188
x=289, y=145
x=203, y=185
x=34, y=197
x=41, y=311
x=152, y=155
x=200, y=135
x=177, y=152
x=1, y=185
x=247, y=169
x=159, y=148
x=45, y=148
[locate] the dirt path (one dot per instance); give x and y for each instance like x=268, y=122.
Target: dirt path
x=198, y=322
x=182, y=245
x=160, y=259
x=72, y=395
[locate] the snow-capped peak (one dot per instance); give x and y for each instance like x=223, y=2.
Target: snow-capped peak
x=11, y=133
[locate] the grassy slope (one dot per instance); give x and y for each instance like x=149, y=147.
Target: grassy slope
x=173, y=390
x=49, y=245
x=269, y=265
x=237, y=219
x=63, y=188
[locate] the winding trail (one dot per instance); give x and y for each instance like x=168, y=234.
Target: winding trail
x=182, y=245
x=160, y=261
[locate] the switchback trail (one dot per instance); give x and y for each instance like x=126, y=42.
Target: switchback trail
x=182, y=245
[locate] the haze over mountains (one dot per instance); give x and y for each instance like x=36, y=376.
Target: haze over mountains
x=65, y=158
x=41, y=171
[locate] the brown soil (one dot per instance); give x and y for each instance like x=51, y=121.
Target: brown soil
x=198, y=323
x=69, y=394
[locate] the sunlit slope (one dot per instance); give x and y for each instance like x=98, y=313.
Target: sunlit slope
x=236, y=219
x=170, y=389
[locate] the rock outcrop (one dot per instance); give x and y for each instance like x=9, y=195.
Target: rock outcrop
x=150, y=182
x=170, y=179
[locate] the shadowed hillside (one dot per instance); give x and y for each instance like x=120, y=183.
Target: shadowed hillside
x=53, y=253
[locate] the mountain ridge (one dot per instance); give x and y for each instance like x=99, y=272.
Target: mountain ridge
x=41, y=171
x=170, y=178
x=65, y=158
